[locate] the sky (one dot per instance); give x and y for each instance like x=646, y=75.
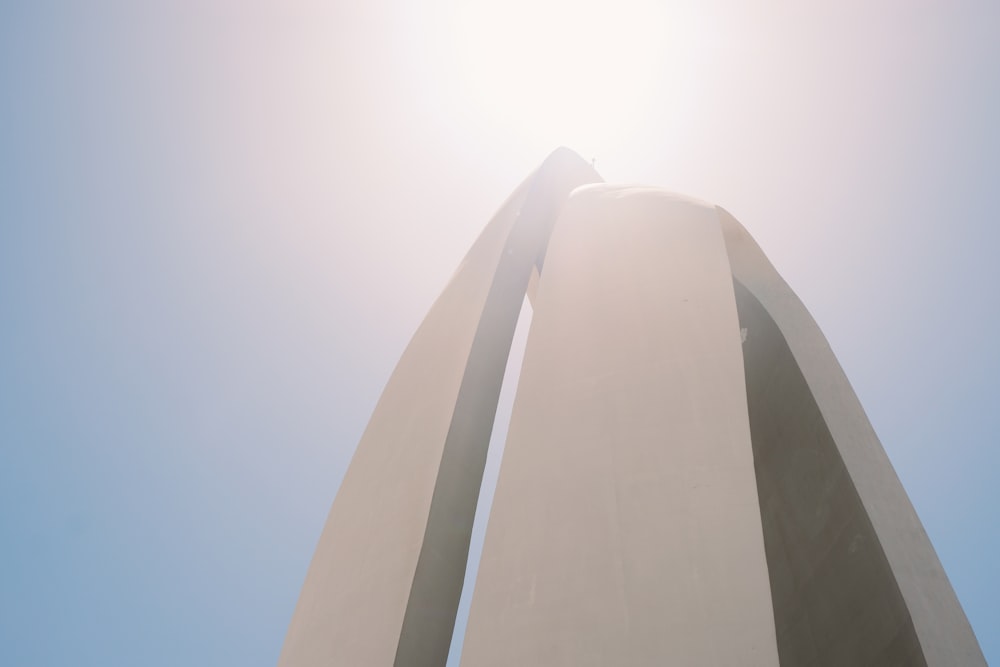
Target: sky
x=221, y=221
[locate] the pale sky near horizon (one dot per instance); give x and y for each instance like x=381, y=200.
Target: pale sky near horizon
x=221, y=221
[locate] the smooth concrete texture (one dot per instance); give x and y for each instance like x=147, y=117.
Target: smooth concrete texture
x=689, y=478
x=625, y=528
x=384, y=584
x=437, y=582
x=855, y=579
x=835, y=598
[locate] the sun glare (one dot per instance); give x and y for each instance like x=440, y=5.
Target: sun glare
x=560, y=70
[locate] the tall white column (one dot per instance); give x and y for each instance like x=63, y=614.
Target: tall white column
x=625, y=528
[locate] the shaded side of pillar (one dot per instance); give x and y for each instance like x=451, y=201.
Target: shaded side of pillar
x=625, y=527
x=365, y=577
x=854, y=578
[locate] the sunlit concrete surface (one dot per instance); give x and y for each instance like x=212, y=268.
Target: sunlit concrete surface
x=387, y=574
x=688, y=479
x=625, y=528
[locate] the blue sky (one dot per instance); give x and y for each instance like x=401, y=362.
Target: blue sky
x=221, y=221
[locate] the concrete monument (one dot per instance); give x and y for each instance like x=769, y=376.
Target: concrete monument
x=688, y=477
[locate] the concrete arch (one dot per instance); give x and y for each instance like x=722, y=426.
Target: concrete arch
x=670, y=493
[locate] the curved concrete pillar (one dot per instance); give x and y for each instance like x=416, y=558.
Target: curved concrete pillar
x=384, y=583
x=854, y=578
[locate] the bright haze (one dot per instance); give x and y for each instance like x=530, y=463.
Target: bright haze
x=221, y=221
